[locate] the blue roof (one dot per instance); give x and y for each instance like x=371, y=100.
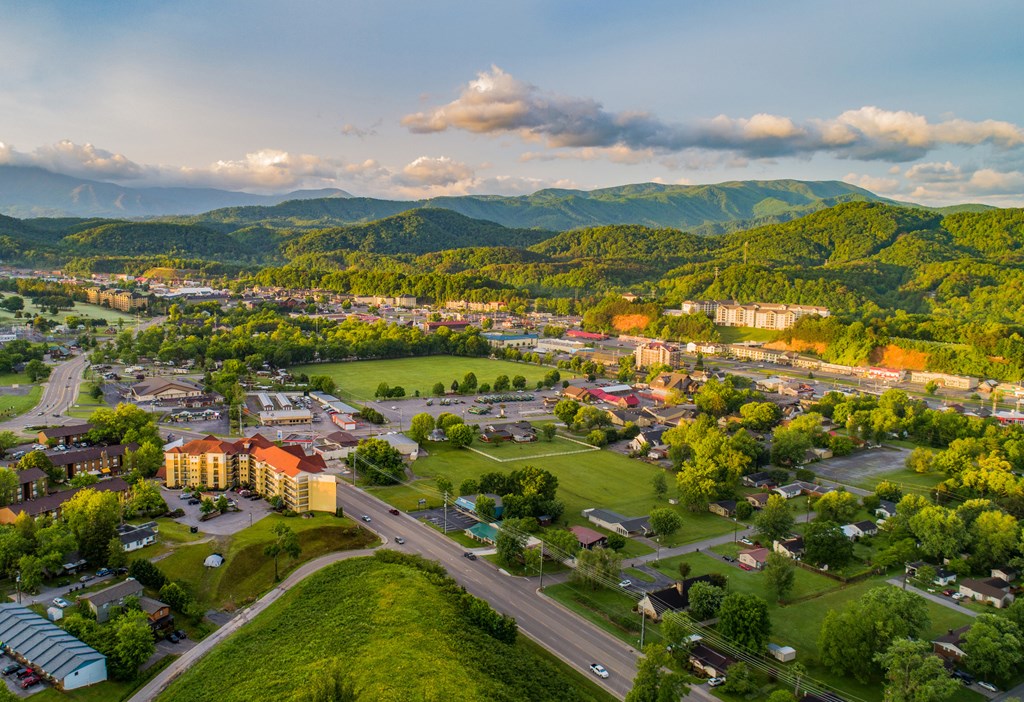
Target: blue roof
x=499, y=336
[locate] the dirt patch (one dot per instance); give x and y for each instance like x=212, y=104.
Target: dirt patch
x=630, y=322
x=892, y=356
x=799, y=346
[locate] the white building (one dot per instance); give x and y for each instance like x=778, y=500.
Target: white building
x=762, y=315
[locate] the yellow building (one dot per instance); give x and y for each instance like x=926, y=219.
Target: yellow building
x=116, y=299
x=272, y=470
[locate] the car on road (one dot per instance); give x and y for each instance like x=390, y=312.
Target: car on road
x=948, y=593
x=86, y=578
x=366, y=518
x=470, y=555
x=61, y=602
x=715, y=682
x=13, y=667
x=626, y=583
x=599, y=670
x=29, y=681
x=399, y=540
x=104, y=571
x=394, y=511
x=988, y=686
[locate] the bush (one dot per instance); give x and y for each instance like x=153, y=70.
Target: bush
x=805, y=474
x=744, y=510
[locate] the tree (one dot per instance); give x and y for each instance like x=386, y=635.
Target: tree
x=147, y=460
x=124, y=424
x=82, y=480
x=940, y=531
x=485, y=507
x=563, y=544
x=596, y=567
x=437, y=390
x=659, y=484
x=379, y=461
x=501, y=383
x=9, y=484
x=8, y=440
x=444, y=485
x=654, y=682
x=684, y=569
x=93, y=517
x=850, y=637
x=744, y=510
x=420, y=427
x=914, y=674
x=776, y=519
x=511, y=541
x=597, y=437
x=740, y=680
x=789, y=446
x=760, y=416
x=460, y=435
x=323, y=383
x=469, y=382
x=825, y=544
x=176, y=596
x=147, y=573
x=116, y=557
x=548, y=431
x=519, y=382
x=994, y=647
x=13, y=303
x=779, y=575
x=994, y=535
x=447, y=420
x=468, y=487
x=144, y=497
x=286, y=542
x=921, y=460
x=566, y=410
x=705, y=600
x=38, y=459
x=30, y=570
x=37, y=370
x=744, y=620
x=221, y=503
x=207, y=506
x=837, y=506
x=697, y=485
x=664, y=521
x=133, y=643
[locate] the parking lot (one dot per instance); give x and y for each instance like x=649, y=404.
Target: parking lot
x=403, y=410
x=250, y=512
x=457, y=521
x=863, y=464
x=14, y=683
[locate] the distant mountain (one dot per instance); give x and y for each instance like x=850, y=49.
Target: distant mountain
x=35, y=192
x=714, y=208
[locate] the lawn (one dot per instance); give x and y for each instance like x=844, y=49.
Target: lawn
x=509, y=451
x=611, y=610
x=909, y=480
x=8, y=379
x=81, y=309
x=734, y=335
x=85, y=405
x=358, y=380
x=13, y=405
x=247, y=572
x=392, y=631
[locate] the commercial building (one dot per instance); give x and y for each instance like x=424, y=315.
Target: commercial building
x=500, y=340
x=708, y=307
x=655, y=353
x=157, y=389
x=956, y=382
x=558, y=345
x=762, y=315
x=758, y=353
x=62, y=659
x=283, y=471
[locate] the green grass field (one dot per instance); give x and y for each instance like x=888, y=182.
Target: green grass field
x=509, y=451
x=357, y=380
x=388, y=628
x=247, y=572
x=734, y=335
x=13, y=405
x=81, y=309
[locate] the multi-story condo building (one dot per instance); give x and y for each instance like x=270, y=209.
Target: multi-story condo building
x=117, y=299
x=656, y=352
x=764, y=315
x=284, y=471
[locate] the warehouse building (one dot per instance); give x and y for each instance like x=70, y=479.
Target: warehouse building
x=62, y=659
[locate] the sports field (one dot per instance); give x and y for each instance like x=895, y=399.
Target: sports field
x=357, y=380
x=507, y=451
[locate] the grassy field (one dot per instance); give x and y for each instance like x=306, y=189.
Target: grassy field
x=388, y=628
x=599, y=479
x=81, y=309
x=247, y=573
x=13, y=405
x=734, y=335
x=84, y=404
x=8, y=379
x=906, y=479
x=357, y=380
x=509, y=451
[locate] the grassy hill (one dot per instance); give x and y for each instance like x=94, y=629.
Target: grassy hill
x=392, y=631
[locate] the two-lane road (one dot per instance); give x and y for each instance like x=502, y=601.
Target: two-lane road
x=59, y=393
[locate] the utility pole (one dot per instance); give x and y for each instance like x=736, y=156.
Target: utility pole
x=643, y=627
x=541, y=565
x=445, y=511
x=18, y=581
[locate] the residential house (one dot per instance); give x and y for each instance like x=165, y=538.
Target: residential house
x=859, y=529
x=588, y=538
x=622, y=417
x=758, y=500
x=135, y=537
x=723, y=508
x=673, y=416
x=674, y=598
x=792, y=547
x=614, y=522
x=51, y=505
x=994, y=591
x=647, y=439
x=789, y=491
x=755, y=558
x=70, y=434
x=1005, y=573
x=949, y=646
x=491, y=435
x=522, y=432
x=886, y=509
x=468, y=503
x=756, y=480
x=336, y=445
x=942, y=578
x=708, y=661
x=158, y=613
x=665, y=384
x=102, y=601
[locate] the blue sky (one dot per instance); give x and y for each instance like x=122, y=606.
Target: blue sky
x=915, y=100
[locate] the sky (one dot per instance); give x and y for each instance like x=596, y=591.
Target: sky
x=915, y=100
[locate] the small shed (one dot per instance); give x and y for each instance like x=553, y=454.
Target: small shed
x=781, y=653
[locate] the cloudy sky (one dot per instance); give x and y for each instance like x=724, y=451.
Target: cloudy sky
x=922, y=101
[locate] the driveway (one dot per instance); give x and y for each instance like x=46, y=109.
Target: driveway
x=250, y=512
x=938, y=599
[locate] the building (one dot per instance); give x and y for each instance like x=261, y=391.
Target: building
x=70, y=434
x=588, y=538
x=614, y=522
x=157, y=612
x=950, y=645
x=759, y=479
x=791, y=548
x=501, y=340
x=758, y=353
x=708, y=307
x=763, y=315
x=656, y=353
x=164, y=389
x=282, y=471
x=558, y=346
x=98, y=460
x=31, y=484
x=574, y=392
x=484, y=533
x=673, y=598
x=62, y=659
x=585, y=335
x=886, y=509
x=50, y=505
x=468, y=503
x=889, y=375
x=723, y=508
x=102, y=601
x=409, y=449
x=117, y=299
x=956, y=382
x=135, y=537
x=708, y=661
x=781, y=653
x=994, y=591
x=285, y=417
x=755, y=558
x=453, y=325
x=789, y=491
x=758, y=500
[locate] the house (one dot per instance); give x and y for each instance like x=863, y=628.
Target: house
x=574, y=392
x=792, y=547
x=614, y=522
x=789, y=491
x=70, y=434
x=522, y=432
x=133, y=538
x=994, y=591
x=495, y=436
x=758, y=500
x=1004, y=573
x=647, y=439
x=622, y=417
x=950, y=645
x=59, y=656
x=756, y=558
x=723, y=508
x=860, y=529
x=468, y=503
x=781, y=653
x=673, y=416
x=158, y=613
x=886, y=509
x=674, y=598
x=588, y=538
x=708, y=661
x=667, y=383
x=485, y=533
x=102, y=601
x=942, y=578
x=336, y=445
x=409, y=449
x=756, y=480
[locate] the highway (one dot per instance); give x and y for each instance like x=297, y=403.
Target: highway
x=59, y=393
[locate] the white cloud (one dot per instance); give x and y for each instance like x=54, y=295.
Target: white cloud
x=435, y=171
x=877, y=185
x=944, y=183
x=497, y=103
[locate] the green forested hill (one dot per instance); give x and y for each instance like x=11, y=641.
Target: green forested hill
x=140, y=238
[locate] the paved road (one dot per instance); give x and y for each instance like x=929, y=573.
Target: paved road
x=59, y=393
x=938, y=599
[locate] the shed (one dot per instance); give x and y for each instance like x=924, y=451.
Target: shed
x=781, y=653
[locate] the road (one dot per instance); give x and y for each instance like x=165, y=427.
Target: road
x=59, y=393
x=937, y=599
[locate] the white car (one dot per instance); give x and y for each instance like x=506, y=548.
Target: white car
x=715, y=682
x=957, y=595
x=599, y=670
x=366, y=518
x=61, y=602
x=988, y=686
x=626, y=583
x=746, y=542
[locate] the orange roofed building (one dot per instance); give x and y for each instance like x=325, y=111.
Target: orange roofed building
x=285, y=471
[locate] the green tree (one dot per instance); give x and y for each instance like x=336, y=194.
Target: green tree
x=654, y=681
x=665, y=521
x=940, y=531
x=994, y=647
x=469, y=382
x=775, y=521
x=825, y=544
x=38, y=459
x=566, y=410
x=485, y=507
x=82, y=480
x=511, y=541
x=147, y=573
x=420, y=427
x=705, y=600
x=760, y=416
x=744, y=619
x=659, y=484
x=740, y=680
x=789, y=446
x=994, y=537
x=548, y=431
x=596, y=567
x=286, y=542
x=177, y=597
x=597, y=437
x=207, y=506
x=221, y=503
x=145, y=498
x=116, y=557
x=502, y=383
x=147, y=460
x=93, y=517
x=9, y=485
x=519, y=382
x=133, y=643
x=8, y=440
x=30, y=570
x=460, y=435
x=779, y=576
x=378, y=461
x=914, y=674
x=438, y=390
x=36, y=370
x=837, y=506
x=447, y=420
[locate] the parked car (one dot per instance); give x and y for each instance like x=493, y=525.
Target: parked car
x=963, y=676
x=193, y=501
x=61, y=602
x=30, y=680
x=12, y=668
x=470, y=555
x=86, y=578
x=185, y=495
x=25, y=672
x=399, y=540
x=121, y=571
x=626, y=583
x=180, y=633
x=948, y=593
x=173, y=638
x=104, y=571
x=715, y=682
x=366, y=518
x=988, y=686
x=746, y=542
x=599, y=670
x=957, y=595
